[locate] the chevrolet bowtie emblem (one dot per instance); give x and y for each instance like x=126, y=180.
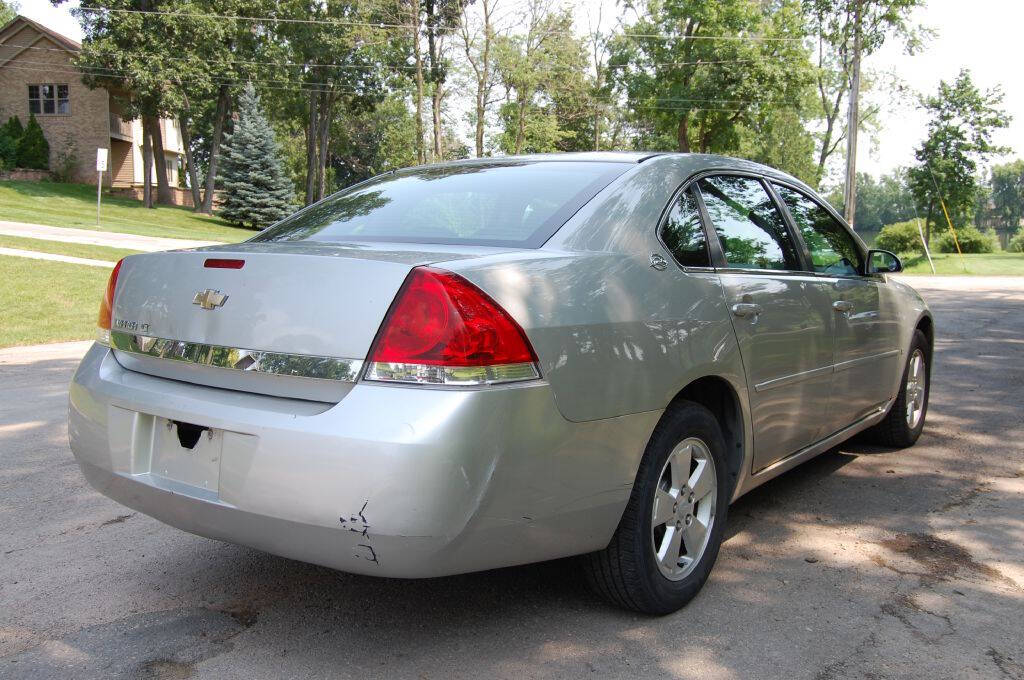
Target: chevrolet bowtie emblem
x=209, y=299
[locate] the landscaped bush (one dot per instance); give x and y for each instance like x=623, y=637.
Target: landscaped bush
x=901, y=237
x=971, y=241
x=33, y=149
x=1016, y=244
x=67, y=160
x=8, y=151
x=10, y=133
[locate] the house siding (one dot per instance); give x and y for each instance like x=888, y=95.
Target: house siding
x=121, y=162
x=86, y=126
x=31, y=54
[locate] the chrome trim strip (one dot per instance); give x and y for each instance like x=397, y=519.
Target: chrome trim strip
x=239, y=359
x=790, y=379
x=450, y=376
x=814, y=372
x=844, y=365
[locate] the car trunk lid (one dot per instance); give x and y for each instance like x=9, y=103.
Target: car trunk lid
x=294, y=320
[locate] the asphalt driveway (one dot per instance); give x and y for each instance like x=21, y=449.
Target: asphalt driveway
x=862, y=563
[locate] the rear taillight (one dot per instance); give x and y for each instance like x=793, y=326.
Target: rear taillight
x=443, y=330
x=107, y=307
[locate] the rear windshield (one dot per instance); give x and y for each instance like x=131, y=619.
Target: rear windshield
x=519, y=204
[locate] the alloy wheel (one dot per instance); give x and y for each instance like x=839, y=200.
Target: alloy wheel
x=917, y=378
x=683, y=511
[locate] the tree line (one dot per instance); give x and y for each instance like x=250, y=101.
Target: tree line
x=353, y=88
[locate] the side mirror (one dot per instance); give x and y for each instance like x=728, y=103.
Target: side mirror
x=883, y=262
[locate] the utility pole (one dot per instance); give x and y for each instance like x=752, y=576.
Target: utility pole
x=853, y=122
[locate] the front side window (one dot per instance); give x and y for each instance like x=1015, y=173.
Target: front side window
x=501, y=203
x=833, y=250
x=683, y=232
x=750, y=228
x=48, y=99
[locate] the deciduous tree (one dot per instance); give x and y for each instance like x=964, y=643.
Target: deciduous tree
x=1007, y=184
x=542, y=71
x=8, y=10
x=962, y=121
x=844, y=32
x=699, y=71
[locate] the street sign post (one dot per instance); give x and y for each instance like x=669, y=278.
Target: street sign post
x=101, y=167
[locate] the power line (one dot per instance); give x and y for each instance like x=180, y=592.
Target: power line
x=710, y=62
x=235, y=17
x=407, y=27
x=309, y=87
x=118, y=75
x=355, y=67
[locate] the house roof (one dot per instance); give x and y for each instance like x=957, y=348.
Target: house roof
x=17, y=23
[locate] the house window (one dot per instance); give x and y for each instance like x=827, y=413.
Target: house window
x=49, y=99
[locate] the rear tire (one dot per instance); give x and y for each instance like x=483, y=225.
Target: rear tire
x=668, y=538
x=905, y=421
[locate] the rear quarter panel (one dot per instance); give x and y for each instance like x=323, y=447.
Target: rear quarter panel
x=613, y=335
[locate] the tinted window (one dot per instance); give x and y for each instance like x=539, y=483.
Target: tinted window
x=749, y=226
x=683, y=232
x=833, y=250
x=502, y=203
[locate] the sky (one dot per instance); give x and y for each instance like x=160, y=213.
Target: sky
x=981, y=35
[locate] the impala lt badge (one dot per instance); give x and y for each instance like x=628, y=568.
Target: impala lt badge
x=209, y=299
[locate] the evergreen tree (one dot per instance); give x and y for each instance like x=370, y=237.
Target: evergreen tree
x=10, y=133
x=33, y=149
x=13, y=128
x=257, y=191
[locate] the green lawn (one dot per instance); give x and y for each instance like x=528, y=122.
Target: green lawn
x=61, y=248
x=989, y=264
x=74, y=205
x=48, y=301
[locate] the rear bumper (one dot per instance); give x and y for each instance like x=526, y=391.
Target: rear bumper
x=392, y=481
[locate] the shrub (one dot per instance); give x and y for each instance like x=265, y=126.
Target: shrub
x=13, y=128
x=8, y=151
x=10, y=133
x=901, y=237
x=1016, y=244
x=971, y=241
x=67, y=160
x=33, y=149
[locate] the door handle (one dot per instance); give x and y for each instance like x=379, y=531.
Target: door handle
x=842, y=306
x=745, y=309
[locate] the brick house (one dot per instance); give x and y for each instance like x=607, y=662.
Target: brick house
x=37, y=76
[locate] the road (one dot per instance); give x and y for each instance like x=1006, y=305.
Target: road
x=862, y=563
x=98, y=238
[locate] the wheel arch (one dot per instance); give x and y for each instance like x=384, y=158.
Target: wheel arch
x=718, y=395
x=927, y=326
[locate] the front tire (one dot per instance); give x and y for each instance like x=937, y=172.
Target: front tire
x=669, y=536
x=905, y=420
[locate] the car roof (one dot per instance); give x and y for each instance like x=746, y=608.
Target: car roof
x=712, y=161
x=700, y=162
x=579, y=156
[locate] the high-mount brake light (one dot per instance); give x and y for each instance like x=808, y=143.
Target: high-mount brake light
x=107, y=306
x=443, y=330
x=223, y=263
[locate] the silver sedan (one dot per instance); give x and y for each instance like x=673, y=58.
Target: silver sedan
x=486, y=363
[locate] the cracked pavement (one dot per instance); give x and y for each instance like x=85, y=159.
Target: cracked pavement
x=863, y=563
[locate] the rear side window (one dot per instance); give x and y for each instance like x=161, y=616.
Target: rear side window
x=519, y=204
x=833, y=250
x=749, y=226
x=683, y=232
